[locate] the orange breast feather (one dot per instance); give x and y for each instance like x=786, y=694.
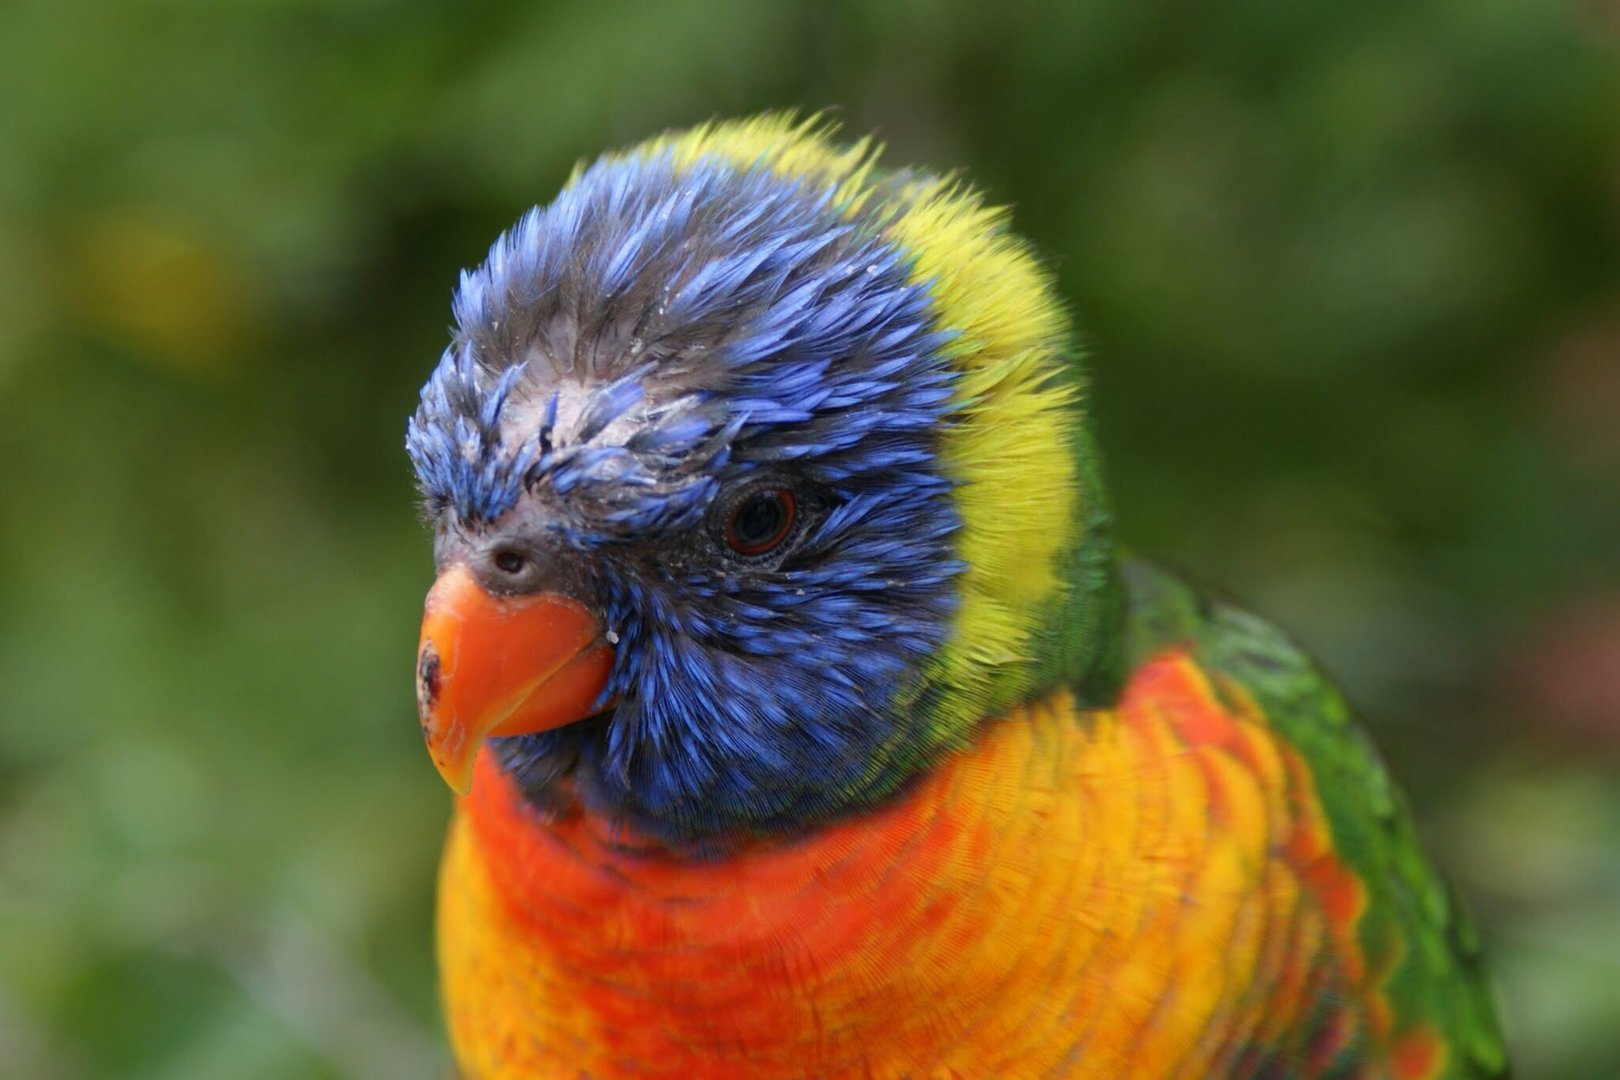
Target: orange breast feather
x=1147, y=891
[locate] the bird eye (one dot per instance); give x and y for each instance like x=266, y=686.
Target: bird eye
x=508, y=562
x=760, y=521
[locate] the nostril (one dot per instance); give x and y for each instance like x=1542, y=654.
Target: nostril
x=508, y=562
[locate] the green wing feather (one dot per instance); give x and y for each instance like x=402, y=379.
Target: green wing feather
x=1411, y=919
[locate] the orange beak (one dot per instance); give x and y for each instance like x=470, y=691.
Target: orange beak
x=491, y=665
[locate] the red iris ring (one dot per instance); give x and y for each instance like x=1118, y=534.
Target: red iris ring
x=784, y=499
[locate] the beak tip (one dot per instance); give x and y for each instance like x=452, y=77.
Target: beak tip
x=456, y=770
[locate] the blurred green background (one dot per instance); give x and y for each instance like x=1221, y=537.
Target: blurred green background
x=1348, y=273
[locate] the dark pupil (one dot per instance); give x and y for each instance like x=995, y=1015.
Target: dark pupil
x=759, y=518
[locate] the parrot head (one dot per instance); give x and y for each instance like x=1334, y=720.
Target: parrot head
x=756, y=477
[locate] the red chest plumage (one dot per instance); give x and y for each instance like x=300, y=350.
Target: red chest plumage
x=1153, y=885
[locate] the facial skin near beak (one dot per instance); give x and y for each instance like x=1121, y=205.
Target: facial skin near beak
x=502, y=665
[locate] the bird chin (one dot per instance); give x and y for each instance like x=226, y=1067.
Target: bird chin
x=550, y=782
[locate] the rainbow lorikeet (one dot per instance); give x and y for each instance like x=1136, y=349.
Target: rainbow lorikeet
x=828, y=731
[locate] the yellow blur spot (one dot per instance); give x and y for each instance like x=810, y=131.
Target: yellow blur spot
x=162, y=288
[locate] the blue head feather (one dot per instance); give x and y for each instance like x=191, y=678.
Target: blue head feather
x=628, y=358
